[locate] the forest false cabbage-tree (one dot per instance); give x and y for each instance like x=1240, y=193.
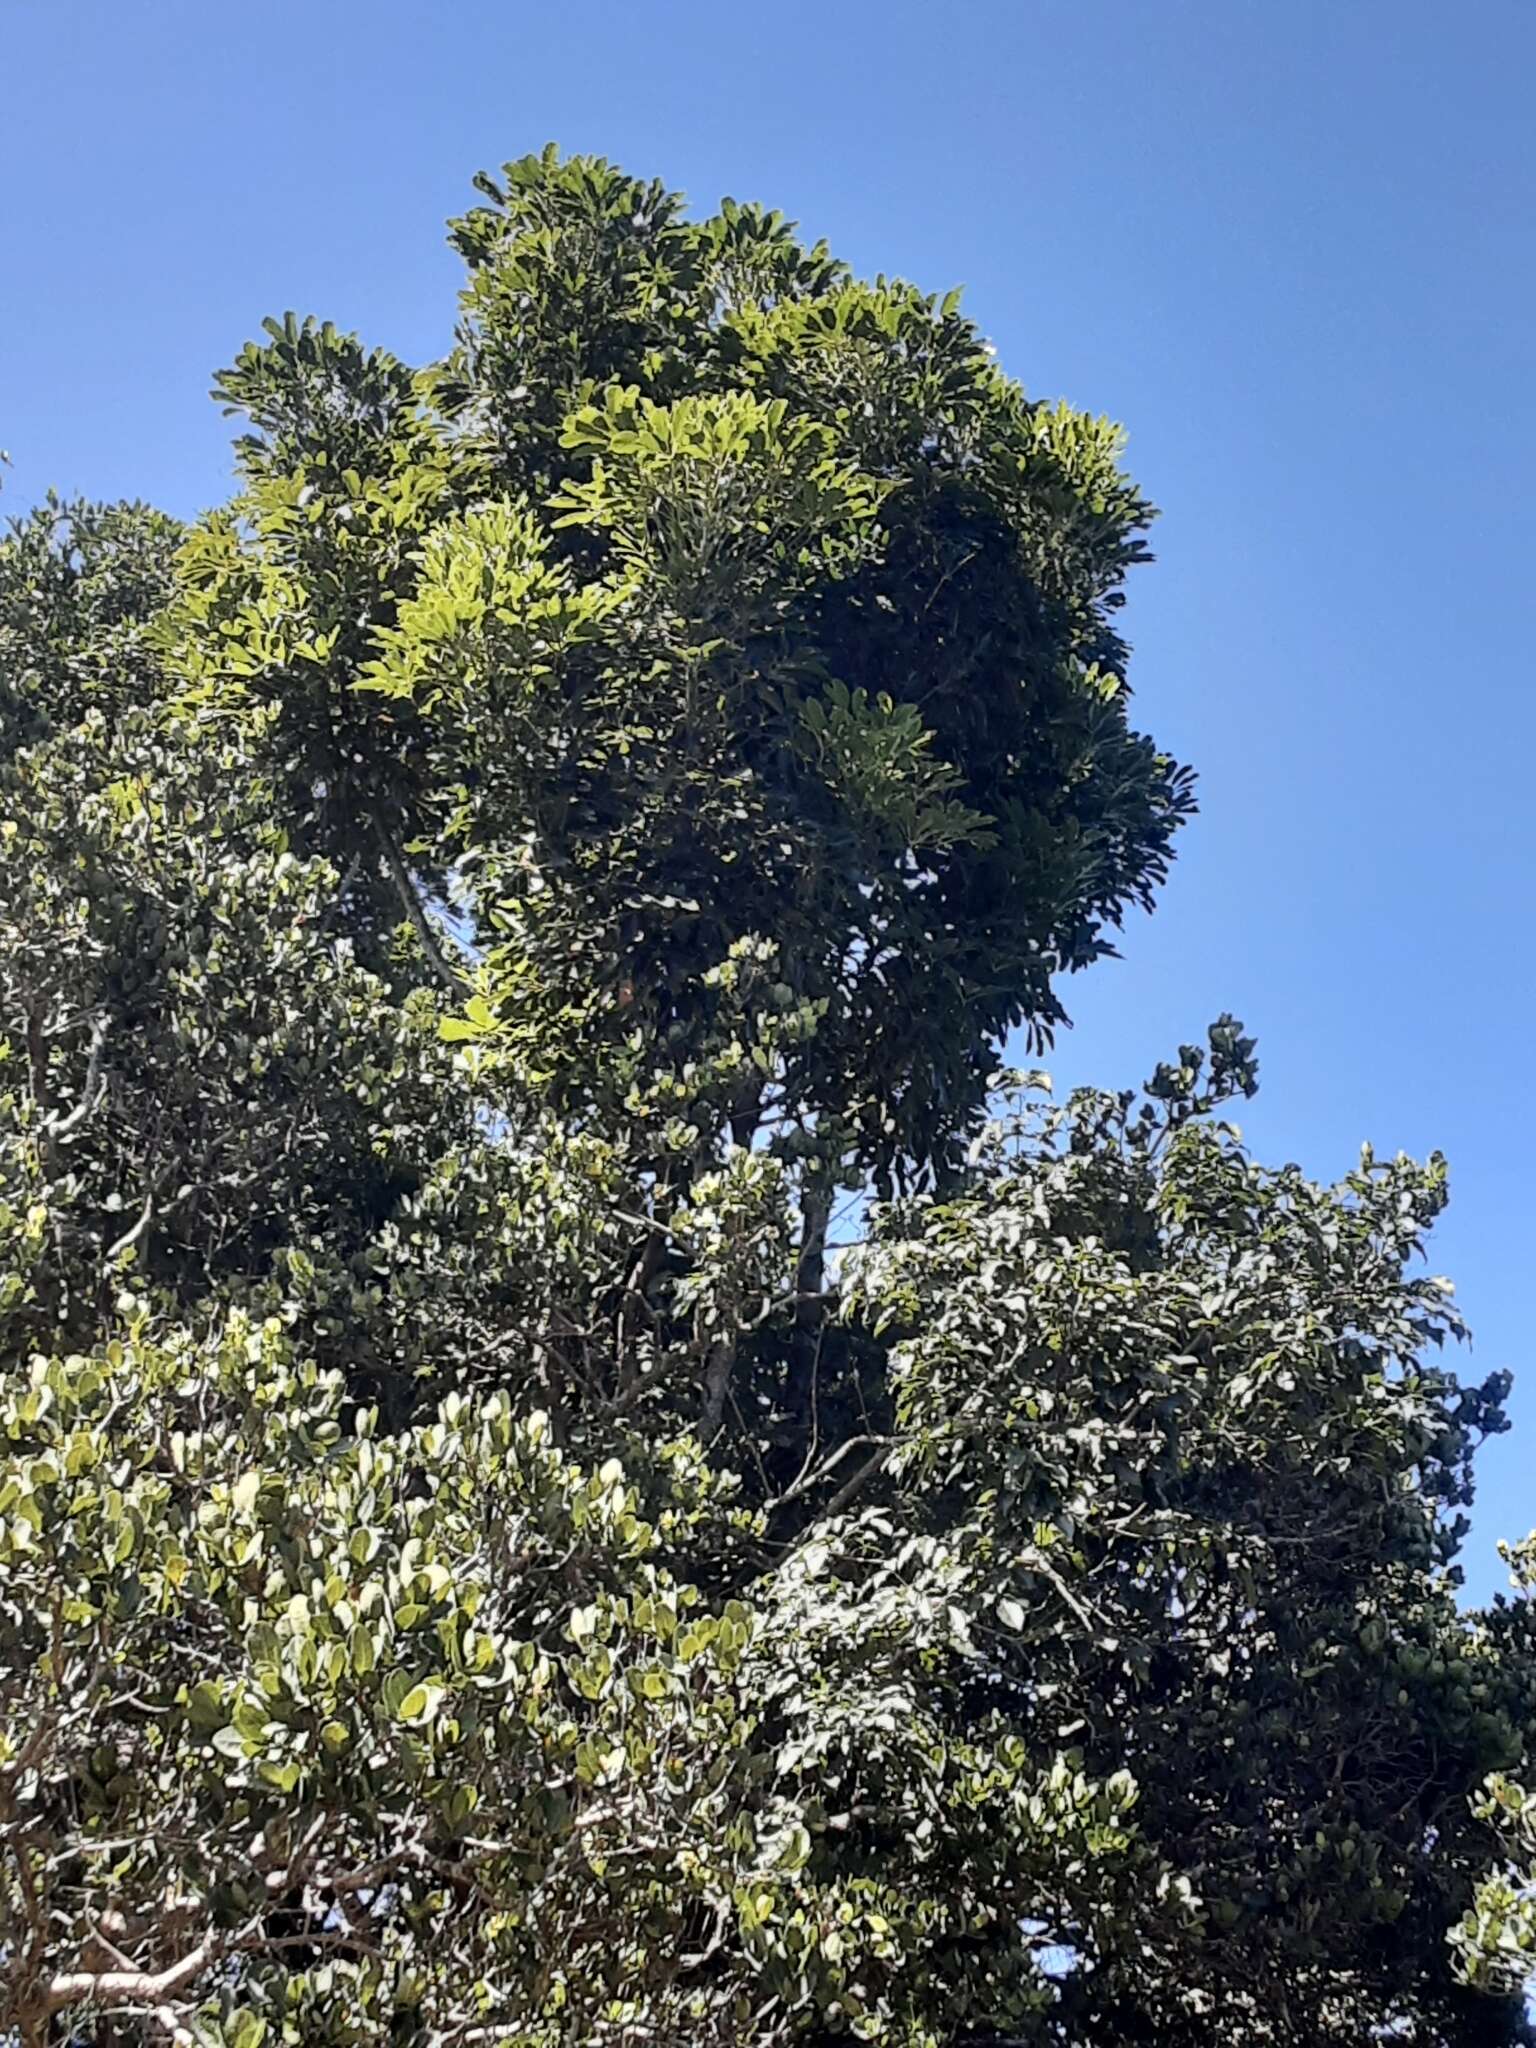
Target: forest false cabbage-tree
x=474, y=1566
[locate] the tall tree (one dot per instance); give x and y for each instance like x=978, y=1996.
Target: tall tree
x=705, y=594
x=478, y=1559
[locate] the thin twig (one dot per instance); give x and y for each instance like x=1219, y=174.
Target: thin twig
x=852, y=1487
x=806, y=1481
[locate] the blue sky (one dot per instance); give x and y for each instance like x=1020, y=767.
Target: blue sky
x=1292, y=247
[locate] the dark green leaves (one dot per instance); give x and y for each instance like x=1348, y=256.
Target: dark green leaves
x=482, y=1555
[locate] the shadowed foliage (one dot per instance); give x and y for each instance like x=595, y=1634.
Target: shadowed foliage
x=576, y=1465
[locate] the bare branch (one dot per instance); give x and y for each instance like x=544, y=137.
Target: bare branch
x=143, y=1989
x=56, y=1128
x=717, y=1379
x=405, y=889
x=133, y=1233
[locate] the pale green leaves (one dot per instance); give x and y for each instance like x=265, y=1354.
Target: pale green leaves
x=710, y=494
x=419, y=1706
x=878, y=760
x=1494, y=1943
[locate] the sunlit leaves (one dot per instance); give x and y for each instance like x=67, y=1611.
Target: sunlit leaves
x=482, y=1556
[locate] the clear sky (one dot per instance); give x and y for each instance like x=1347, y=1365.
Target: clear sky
x=1292, y=246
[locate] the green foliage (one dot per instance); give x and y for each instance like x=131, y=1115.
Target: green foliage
x=437, y=1699
x=552, y=619
x=481, y=1559
x=1495, y=1940
x=1171, y=1408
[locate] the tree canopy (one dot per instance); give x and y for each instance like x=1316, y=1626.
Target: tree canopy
x=578, y=1464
